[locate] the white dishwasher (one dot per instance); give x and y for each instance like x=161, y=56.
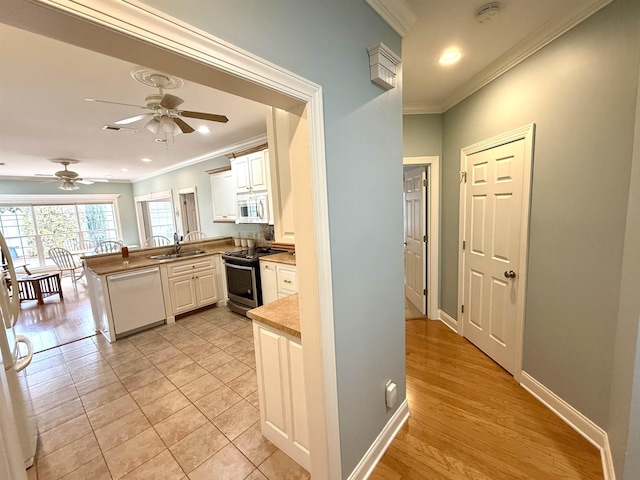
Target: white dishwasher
x=136, y=300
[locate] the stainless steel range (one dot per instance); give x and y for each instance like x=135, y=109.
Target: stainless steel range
x=243, y=278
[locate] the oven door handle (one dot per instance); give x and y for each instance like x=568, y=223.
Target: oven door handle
x=240, y=267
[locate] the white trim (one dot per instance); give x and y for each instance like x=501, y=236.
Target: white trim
x=236, y=147
x=396, y=13
x=375, y=452
x=419, y=108
x=448, y=320
x=525, y=133
x=576, y=420
x=433, y=230
x=59, y=199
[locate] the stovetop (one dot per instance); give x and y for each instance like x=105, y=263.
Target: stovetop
x=252, y=253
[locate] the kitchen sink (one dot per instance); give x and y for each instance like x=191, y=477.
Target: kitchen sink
x=171, y=256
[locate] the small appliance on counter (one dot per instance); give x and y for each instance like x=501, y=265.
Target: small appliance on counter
x=243, y=278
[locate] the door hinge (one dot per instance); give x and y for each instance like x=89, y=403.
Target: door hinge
x=425, y=292
x=425, y=239
x=463, y=176
x=424, y=182
x=462, y=309
x=464, y=244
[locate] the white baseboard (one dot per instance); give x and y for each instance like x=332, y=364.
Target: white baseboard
x=449, y=321
x=366, y=465
x=576, y=420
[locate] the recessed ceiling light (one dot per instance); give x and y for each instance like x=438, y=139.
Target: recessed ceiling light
x=203, y=129
x=450, y=56
x=124, y=169
x=146, y=160
x=108, y=176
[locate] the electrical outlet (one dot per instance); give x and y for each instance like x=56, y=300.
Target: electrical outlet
x=391, y=393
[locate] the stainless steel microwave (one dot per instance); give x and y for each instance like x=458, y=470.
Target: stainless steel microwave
x=252, y=209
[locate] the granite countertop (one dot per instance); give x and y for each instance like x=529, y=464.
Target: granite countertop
x=287, y=258
x=283, y=315
x=139, y=258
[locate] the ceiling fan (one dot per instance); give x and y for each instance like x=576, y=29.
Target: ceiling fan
x=164, y=115
x=68, y=178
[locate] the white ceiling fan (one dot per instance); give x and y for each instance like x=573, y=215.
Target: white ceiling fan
x=68, y=178
x=164, y=115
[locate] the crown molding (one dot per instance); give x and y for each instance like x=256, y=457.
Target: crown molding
x=418, y=108
x=523, y=50
x=396, y=13
x=244, y=145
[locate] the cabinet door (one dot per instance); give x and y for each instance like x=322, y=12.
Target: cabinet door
x=240, y=167
x=272, y=383
x=269, y=283
x=223, y=195
x=183, y=295
x=258, y=172
x=206, y=288
x=299, y=427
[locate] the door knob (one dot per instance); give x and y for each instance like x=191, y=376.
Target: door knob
x=510, y=274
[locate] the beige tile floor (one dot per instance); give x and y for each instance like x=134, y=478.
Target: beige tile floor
x=176, y=402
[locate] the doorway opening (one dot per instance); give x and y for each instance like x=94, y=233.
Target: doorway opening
x=429, y=226
x=188, y=200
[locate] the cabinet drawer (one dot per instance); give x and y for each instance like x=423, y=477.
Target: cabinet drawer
x=287, y=279
x=187, y=266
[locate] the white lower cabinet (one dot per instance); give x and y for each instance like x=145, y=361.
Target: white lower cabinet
x=283, y=407
x=278, y=280
x=191, y=284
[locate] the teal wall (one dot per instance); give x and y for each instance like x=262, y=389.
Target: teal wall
x=422, y=135
x=580, y=91
x=195, y=176
x=326, y=42
x=125, y=199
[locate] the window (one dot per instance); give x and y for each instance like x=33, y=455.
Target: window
x=31, y=230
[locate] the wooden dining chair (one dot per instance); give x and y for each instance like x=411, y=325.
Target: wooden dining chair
x=66, y=262
x=157, y=241
x=194, y=236
x=108, y=246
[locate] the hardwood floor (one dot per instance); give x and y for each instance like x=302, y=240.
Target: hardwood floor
x=471, y=420
x=57, y=322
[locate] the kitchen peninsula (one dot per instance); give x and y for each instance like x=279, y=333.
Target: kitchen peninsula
x=283, y=408
x=153, y=285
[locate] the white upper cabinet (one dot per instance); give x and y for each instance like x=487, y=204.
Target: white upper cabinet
x=251, y=172
x=279, y=139
x=223, y=194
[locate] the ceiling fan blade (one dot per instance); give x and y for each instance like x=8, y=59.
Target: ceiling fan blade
x=184, y=126
x=204, y=116
x=85, y=182
x=133, y=119
x=170, y=101
x=115, y=103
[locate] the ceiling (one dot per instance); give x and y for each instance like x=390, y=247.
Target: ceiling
x=43, y=84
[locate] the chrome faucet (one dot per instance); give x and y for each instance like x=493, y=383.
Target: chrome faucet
x=176, y=243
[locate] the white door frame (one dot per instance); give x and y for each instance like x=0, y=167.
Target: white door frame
x=525, y=133
x=136, y=32
x=433, y=231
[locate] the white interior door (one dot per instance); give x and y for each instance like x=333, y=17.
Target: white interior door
x=492, y=251
x=415, y=235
